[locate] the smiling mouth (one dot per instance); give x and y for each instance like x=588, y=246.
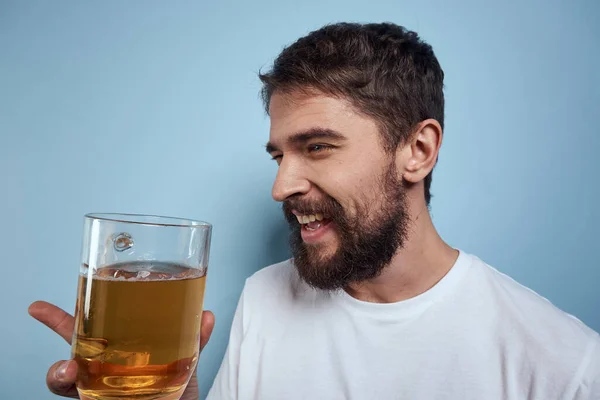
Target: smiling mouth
x=312, y=222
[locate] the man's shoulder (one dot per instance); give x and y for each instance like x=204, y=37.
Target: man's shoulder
x=524, y=311
x=278, y=273
x=530, y=331
x=276, y=281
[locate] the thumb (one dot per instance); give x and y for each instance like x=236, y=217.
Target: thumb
x=61, y=378
x=206, y=327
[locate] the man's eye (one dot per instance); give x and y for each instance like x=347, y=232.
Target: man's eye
x=315, y=148
x=277, y=158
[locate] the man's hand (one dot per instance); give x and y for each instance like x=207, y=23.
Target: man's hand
x=61, y=375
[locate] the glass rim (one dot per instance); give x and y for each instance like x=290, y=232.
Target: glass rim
x=149, y=219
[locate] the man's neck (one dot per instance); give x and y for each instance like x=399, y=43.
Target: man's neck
x=422, y=262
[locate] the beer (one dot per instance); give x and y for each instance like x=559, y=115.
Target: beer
x=137, y=330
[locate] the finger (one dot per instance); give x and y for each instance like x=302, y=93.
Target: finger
x=191, y=390
x=61, y=378
x=54, y=318
x=206, y=327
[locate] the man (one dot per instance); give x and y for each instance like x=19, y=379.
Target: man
x=374, y=304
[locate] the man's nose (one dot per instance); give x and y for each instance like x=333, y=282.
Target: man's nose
x=289, y=181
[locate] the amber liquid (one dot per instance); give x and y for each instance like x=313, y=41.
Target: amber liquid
x=137, y=331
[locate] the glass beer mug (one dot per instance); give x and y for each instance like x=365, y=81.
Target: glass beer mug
x=139, y=305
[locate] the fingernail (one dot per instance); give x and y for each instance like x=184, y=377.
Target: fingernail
x=61, y=371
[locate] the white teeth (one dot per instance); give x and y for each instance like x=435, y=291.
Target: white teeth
x=305, y=219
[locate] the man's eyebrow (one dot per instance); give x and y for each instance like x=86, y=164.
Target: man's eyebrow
x=305, y=136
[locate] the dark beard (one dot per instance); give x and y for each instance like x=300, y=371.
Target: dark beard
x=368, y=240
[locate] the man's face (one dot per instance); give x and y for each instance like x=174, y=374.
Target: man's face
x=341, y=192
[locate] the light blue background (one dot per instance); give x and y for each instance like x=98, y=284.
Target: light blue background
x=153, y=107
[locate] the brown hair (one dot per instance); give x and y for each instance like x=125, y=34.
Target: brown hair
x=384, y=70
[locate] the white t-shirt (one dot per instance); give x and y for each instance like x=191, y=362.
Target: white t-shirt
x=477, y=334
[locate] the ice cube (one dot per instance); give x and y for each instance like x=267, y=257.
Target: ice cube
x=90, y=347
x=143, y=274
x=129, y=358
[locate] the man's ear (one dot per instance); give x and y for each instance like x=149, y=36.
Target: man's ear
x=419, y=155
